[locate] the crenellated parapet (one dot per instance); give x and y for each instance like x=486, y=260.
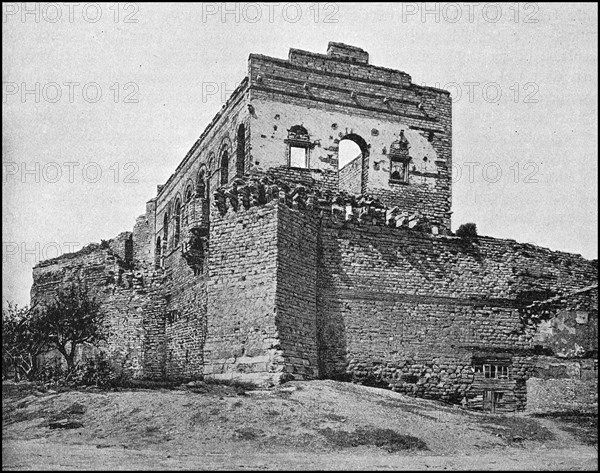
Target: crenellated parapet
x=258, y=190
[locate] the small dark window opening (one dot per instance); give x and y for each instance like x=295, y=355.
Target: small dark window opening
x=224, y=167
x=166, y=229
x=240, y=162
x=201, y=185
x=158, y=254
x=189, y=208
x=177, y=223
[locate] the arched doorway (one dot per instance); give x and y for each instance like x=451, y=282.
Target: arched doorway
x=352, y=154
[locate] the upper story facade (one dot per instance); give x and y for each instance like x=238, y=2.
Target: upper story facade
x=330, y=120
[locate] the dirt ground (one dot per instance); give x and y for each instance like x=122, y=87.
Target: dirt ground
x=299, y=425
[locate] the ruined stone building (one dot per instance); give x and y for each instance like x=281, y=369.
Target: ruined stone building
x=265, y=258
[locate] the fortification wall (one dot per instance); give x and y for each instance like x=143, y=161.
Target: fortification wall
x=296, y=294
x=184, y=318
x=242, y=337
x=133, y=301
x=410, y=309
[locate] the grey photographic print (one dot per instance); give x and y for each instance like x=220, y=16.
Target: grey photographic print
x=331, y=236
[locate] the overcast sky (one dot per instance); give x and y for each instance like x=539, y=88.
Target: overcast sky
x=102, y=101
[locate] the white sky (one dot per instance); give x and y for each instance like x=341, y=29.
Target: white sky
x=177, y=66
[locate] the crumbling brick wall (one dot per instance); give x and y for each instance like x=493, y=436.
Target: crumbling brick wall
x=397, y=302
x=566, y=378
x=132, y=300
x=561, y=385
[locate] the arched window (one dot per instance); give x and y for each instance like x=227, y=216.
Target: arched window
x=299, y=144
x=348, y=152
x=224, y=166
x=166, y=228
x=188, y=210
x=177, y=215
x=201, y=183
x=352, y=153
x=240, y=159
x=158, y=253
x=212, y=175
x=188, y=193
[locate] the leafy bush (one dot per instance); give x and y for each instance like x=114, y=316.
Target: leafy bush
x=98, y=371
x=467, y=230
x=51, y=373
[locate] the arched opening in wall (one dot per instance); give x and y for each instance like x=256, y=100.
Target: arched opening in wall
x=224, y=167
x=240, y=160
x=166, y=229
x=212, y=174
x=352, y=153
x=188, y=210
x=201, y=184
x=177, y=215
x=158, y=254
x=299, y=146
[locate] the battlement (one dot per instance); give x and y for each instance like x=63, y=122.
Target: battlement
x=254, y=191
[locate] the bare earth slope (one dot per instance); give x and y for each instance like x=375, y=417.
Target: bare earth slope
x=300, y=425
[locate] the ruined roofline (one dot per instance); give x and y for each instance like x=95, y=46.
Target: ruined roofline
x=91, y=248
x=236, y=94
x=299, y=67
x=86, y=250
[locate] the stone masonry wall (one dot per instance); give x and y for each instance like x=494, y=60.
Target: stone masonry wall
x=242, y=339
x=297, y=254
x=185, y=318
x=133, y=302
x=407, y=309
x=563, y=384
